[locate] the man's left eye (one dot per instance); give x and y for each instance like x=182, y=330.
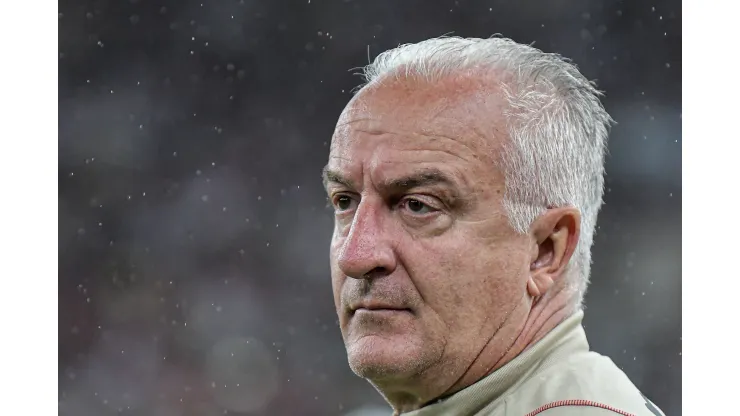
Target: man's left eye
x=417, y=207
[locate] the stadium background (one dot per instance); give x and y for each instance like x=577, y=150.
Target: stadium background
x=192, y=220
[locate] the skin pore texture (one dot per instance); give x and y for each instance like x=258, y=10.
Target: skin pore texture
x=433, y=288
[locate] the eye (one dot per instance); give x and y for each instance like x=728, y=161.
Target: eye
x=417, y=207
x=342, y=202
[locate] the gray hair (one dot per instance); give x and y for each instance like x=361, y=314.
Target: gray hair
x=557, y=126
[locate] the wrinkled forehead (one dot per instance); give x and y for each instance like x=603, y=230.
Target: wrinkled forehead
x=463, y=110
x=387, y=133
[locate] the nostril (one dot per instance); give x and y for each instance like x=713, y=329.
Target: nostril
x=375, y=273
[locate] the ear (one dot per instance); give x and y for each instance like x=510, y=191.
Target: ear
x=555, y=234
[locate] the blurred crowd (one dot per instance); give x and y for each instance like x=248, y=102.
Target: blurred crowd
x=193, y=228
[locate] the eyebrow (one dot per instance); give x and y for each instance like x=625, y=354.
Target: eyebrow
x=424, y=177
x=330, y=176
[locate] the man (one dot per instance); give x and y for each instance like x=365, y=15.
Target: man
x=466, y=177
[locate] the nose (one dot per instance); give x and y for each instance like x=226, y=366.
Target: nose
x=368, y=249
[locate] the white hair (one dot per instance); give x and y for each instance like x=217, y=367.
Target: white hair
x=557, y=126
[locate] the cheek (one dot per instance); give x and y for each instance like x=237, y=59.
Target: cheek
x=469, y=285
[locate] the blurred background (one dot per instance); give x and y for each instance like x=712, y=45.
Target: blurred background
x=193, y=233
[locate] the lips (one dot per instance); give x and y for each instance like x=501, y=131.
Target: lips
x=376, y=306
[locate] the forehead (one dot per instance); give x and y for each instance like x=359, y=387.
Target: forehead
x=453, y=107
x=397, y=124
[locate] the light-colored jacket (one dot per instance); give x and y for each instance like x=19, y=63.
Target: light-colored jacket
x=557, y=376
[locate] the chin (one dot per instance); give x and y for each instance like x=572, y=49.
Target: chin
x=376, y=357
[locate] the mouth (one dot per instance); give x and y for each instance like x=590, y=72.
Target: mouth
x=377, y=309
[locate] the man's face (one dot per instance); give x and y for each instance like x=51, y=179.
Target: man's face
x=425, y=267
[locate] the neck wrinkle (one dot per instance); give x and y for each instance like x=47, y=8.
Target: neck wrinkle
x=545, y=314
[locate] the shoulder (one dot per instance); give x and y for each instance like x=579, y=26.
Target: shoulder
x=587, y=384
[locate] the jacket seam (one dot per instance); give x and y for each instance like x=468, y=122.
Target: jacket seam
x=579, y=403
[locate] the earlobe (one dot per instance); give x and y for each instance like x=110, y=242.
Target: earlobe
x=539, y=284
x=532, y=288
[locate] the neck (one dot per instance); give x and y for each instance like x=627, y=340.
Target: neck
x=525, y=326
